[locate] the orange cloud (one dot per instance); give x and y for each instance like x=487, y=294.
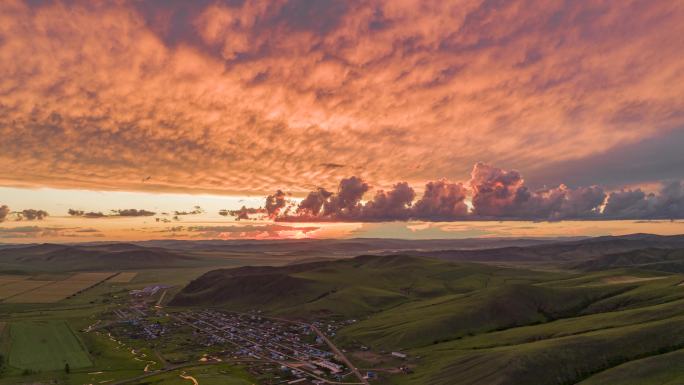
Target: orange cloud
x=212, y=96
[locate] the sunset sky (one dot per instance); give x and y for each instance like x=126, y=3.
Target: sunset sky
x=340, y=118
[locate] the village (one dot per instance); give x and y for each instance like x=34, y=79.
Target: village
x=275, y=350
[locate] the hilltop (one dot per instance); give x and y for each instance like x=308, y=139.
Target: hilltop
x=667, y=260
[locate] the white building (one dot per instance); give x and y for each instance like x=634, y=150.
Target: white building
x=334, y=368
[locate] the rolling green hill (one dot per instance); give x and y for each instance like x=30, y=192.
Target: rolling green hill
x=476, y=323
x=350, y=287
x=663, y=369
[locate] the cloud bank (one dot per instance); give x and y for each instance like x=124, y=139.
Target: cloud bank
x=31, y=215
x=628, y=204
x=4, y=212
x=494, y=193
x=26, y=214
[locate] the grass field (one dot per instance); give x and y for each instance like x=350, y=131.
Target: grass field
x=5, y=279
x=12, y=289
x=44, y=346
x=59, y=290
x=53, y=292
x=91, y=277
x=123, y=277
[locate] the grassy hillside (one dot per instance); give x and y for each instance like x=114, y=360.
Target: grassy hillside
x=561, y=360
x=663, y=369
x=668, y=260
x=450, y=317
x=350, y=288
x=474, y=323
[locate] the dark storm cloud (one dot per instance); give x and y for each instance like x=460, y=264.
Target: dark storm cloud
x=4, y=212
x=243, y=212
x=580, y=203
x=31, y=215
x=195, y=211
x=392, y=205
x=442, y=200
x=132, y=213
x=314, y=201
x=88, y=214
x=275, y=203
x=495, y=193
x=501, y=194
x=630, y=204
x=346, y=203
x=26, y=214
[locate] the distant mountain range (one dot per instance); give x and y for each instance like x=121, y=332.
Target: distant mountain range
x=560, y=251
x=564, y=252
x=666, y=260
x=111, y=256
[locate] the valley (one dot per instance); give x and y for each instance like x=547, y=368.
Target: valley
x=591, y=311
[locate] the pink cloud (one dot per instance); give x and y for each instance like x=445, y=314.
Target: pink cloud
x=244, y=98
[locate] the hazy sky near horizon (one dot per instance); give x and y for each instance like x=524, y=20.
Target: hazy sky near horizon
x=162, y=106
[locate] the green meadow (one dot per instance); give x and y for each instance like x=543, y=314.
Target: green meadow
x=204, y=374
x=45, y=345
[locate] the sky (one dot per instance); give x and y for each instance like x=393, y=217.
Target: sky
x=340, y=118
